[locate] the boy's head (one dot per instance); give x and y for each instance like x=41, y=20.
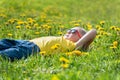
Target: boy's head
x=74, y=34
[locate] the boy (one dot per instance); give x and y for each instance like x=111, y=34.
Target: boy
x=75, y=38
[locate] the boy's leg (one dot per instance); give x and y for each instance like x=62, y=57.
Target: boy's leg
x=21, y=50
x=6, y=43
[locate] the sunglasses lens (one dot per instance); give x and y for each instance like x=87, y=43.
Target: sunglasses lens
x=73, y=30
x=68, y=31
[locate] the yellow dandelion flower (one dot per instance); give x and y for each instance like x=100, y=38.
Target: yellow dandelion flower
x=60, y=33
x=113, y=47
x=61, y=26
x=105, y=33
x=98, y=36
x=30, y=22
x=55, y=77
x=43, y=52
x=85, y=53
x=64, y=60
x=22, y=15
x=115, y=43
x=77, y=52
x=102, y=22
x=48, y=20
x=69, y=53
x=49, y=27
x=77, y=24
x=2, y=15
x=56, y=46
x=10, y=35
x=28, y=27
x=29, y=19
x=11, y=21
x=43, y=16
x=98, y=26
x=18, y=27
x=117, y=29
x=36, y=25
x=89, y=26
x=113, y=27
x=65, y=65
x=20, y=22
x=37, y=33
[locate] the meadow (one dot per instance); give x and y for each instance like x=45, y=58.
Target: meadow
x=28, y=19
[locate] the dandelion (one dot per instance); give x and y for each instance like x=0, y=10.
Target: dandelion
x=36, y=25
x=22, y=15
x=69, y=53
x=98, y=36
x=43, y=16
x=85, y=53
x=102, y=22
x=55, y=77
x=115, y=43
x=29, y=19
x=103, y=33
x=97, y=26
x=10, y=35
x=113, y=27
x=89, y=26
x=56, y=46
x=43, y=52
x=65, y=65
x=64, y=60
x=48, y=20
x=77, y=52
x=37, y=33
x=18, y=27
x=117, y=29
x=77, y=24
x=20, y=22
x=28, y=27
x=49, y=27
x=60, y=33
x=61, y=26
x=113, y=47
x=2, y=15
x=100, y=28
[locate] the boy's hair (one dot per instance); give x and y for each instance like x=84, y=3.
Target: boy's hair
x=81, y=30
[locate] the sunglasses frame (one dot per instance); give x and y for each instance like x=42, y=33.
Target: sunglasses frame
x=74, y=31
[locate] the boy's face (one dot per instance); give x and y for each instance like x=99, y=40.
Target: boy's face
x=73, y=35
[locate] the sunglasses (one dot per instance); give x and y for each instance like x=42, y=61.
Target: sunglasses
x=73, y=31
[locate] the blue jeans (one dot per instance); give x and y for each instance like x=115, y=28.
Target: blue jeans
x=17, y=49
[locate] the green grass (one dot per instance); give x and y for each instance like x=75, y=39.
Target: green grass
x=102, y=63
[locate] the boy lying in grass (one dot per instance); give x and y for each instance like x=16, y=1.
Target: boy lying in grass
x=74, y=38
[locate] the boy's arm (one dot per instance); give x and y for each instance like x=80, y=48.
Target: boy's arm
x=86, y=40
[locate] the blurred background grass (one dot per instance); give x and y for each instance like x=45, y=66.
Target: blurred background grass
x=91, y=10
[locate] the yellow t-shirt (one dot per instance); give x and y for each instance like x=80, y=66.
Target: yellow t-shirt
x=54, y=44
